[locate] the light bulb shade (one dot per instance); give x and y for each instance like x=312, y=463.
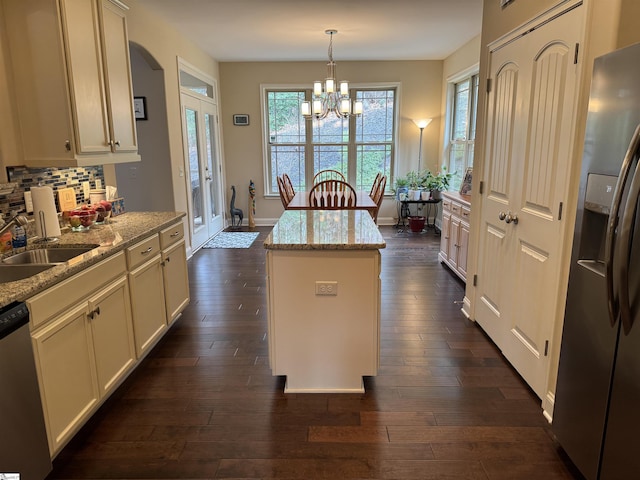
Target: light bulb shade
x=317, y=107
x=317, y=88
x=305, y=108
x=345, y=106
x=357, y=107
x=422, y=123
x=330, y=85
x=344, y=88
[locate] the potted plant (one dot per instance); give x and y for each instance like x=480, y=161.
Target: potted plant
x=400, y=187
x=414, y=182
x=438, y=183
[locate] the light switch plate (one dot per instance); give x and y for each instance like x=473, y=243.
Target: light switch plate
x=85, y=190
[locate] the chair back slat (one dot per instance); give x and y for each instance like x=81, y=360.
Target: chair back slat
x=332, y=194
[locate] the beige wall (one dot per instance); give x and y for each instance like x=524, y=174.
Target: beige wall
x=420, y=97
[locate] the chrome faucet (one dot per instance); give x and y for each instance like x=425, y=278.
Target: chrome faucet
x=17, y=219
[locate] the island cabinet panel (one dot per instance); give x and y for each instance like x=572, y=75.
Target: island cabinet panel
x=323, y=294
x=72, y=77
x=324, y=342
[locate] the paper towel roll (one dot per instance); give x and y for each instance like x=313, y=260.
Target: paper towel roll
x=43, y=201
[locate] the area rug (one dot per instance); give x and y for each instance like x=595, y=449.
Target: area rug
x=232, y=240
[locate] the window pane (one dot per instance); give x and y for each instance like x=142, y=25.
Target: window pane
x=331, y=130
x=330, y=157
x=376, y=122
x=287, y=159
x=371, y=160
x=456, y=164
x=286, y=125
x=461, y=106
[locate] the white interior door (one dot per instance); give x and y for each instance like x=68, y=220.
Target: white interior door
x=200, y=132
x=529, y=145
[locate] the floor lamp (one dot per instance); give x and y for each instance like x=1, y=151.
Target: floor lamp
x=421, y=124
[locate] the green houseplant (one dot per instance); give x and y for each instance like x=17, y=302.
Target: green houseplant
x=438, y=183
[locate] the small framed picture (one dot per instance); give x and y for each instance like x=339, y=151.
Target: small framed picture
x=140, y=107
x=465, y=187
x=241, y=119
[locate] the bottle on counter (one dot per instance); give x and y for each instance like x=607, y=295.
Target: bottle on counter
x=19, y=237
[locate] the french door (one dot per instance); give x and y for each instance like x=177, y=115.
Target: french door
x=530, y=127
x=202, y=154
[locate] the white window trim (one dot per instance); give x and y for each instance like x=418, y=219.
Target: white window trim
x=264, y=87
x=451, y=92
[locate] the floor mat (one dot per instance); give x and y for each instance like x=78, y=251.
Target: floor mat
x=232, y=240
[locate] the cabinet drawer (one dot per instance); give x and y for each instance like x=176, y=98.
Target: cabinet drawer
x=465, y=213
x=171, y=235
x=446, y=205
x=55, y=299
x=143, y=251
x=455, y=208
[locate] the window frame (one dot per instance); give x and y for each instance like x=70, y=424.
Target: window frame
x=352, y=145
x=448, y=142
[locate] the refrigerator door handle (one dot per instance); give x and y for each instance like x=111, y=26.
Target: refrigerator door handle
x=613, y=297
x=626, y=234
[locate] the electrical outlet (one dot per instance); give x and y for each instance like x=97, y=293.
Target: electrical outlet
x=326, y=288
x=28, y=202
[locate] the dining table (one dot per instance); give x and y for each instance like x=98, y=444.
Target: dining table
x=300, y=201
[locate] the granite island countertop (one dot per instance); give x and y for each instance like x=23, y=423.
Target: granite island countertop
x=121, y=232
x=325, y=230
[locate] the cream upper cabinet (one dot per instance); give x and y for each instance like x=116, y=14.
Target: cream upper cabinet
x=72, y=81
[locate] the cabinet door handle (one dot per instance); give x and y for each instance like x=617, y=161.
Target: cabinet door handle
x=174, y=234
x=94, y=312
x=147, y=251
x=67, y=145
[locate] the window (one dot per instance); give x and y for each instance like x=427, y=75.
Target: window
x=462, y=109
x=359, y=147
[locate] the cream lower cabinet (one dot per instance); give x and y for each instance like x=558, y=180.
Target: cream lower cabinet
x=147, y=293
x=454, y=237
x=72, y=77
x=83, y=345
x=175, y=274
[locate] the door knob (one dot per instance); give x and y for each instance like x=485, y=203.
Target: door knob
x=502, y=215
x=511, y=218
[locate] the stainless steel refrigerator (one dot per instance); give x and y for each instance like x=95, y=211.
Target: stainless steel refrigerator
x=597, y=405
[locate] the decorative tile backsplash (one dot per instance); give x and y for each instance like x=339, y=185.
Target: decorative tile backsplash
x=53, y=177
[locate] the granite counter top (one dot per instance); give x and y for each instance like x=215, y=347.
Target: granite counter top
x=122, y=231
x=325, y=230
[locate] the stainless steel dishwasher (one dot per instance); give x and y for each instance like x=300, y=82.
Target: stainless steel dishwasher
x=23, y=439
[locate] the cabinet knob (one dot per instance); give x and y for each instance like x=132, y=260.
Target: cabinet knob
x=94, y=312
x=67, y=145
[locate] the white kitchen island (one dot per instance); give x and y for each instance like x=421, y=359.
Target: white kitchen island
x=323, y=278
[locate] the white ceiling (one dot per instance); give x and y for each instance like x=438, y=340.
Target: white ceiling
x=293, y=30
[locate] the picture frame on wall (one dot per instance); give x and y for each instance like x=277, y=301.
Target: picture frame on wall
x=140, y=108
x=465, y=187
x=241, y=119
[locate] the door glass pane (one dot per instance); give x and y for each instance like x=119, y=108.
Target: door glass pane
x=211, y=164
x=194, y=166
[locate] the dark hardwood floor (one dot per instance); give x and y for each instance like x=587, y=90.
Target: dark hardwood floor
x=445, y=404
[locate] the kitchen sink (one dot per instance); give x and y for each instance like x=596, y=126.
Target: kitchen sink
x=47, y=255
x=12, y=273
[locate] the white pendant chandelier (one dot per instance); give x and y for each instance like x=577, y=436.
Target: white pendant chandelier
x=331, y=96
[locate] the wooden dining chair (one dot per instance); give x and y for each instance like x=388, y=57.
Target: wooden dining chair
x=328, y=175
x=288, y=187
x=378, y=196
x=374, y=186
x=284, y=198
x=332, y=194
